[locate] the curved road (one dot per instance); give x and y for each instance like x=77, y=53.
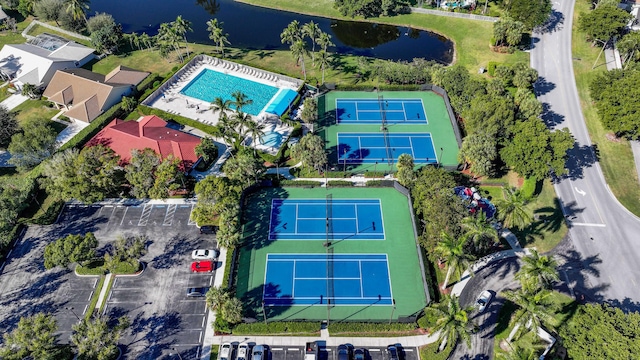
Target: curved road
x=496, y=277
x=601, y=255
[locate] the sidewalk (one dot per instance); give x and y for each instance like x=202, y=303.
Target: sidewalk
x=272, y=341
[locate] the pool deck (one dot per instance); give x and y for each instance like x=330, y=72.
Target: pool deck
x=169, y=98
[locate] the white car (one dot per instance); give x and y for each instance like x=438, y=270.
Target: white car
x=243, y=351
x=226, y=352
x=203, y=254
x=483, y=300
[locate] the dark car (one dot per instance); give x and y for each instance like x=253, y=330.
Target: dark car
x=208, y=229
x=197, y=292
x=344, y=352
x=360, y=354
x=392, y=352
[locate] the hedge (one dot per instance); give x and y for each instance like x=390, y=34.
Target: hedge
x=340, y=183
x=388, y=87
x=338, y=174
x=528, y=189
x=428, y=319
x=93, y=128
x=177, y=118
x=374, y=174
x=227, y=268
x=491, y=68
x=380, y=183
x=358, y=327
x=278, y=327
x=300, y=183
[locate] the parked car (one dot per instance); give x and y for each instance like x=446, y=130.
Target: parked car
x=483, y=300
x=360, y=354
x=226, y=351
x=204, y=254
x=208, y=229
x=202, y=266
x=344, y=352
x=243, y=352
x=258, y=353
x=197, y=292
x=392, y=352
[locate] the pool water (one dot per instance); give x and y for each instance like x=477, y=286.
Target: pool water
x=272, y=139
x=210, y=84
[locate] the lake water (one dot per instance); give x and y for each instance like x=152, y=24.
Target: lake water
x=259, y=28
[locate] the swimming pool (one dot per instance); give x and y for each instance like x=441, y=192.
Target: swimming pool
x=210, y=84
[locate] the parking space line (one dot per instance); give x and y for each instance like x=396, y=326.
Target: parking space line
x=277, y=349
x=200, y=338
x=95, y=282
x=293, y=349
x=90, y=296
x=85, y=309
x=191, y=222
x=203, y=320
x=168, y=216
x=124, y=215
x=146, y=212
x=408, y=349
x=374, y=350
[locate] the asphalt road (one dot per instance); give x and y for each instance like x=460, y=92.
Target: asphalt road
x=495, y=277
x=601, y=257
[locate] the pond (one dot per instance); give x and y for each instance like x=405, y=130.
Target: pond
x=255, y=27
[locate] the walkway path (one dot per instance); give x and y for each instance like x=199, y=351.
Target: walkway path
x=454, y=14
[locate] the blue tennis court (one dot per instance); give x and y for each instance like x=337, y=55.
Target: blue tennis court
x=306, y=219
x=359, y=148
x=371, y=111
x=314, y=279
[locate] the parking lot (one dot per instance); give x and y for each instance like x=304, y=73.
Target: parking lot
x=162, y=317
x=330, y=353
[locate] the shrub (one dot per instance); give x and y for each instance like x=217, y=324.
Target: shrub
x=221, y=325
x=491, y=68
x=428, y=319
x=528, y=189
x=280, y=327
x=94, y=127
x=380, y=183
x=338, y=174
x=374, y=174
x=356, y=327
x=227, y=268
x=177, y=118
x=340, y=183
x=300, y=183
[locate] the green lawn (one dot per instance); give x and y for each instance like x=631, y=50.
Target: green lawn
x=616, y=158
x=471, y=37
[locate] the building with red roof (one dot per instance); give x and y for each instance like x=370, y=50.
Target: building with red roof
x=148, y=132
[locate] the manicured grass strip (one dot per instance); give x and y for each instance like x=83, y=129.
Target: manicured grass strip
x=214, y=352
x=616, y=159
x=94, y=298
x=109, y=285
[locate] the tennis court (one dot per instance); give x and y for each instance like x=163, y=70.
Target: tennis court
x=359, y=148
x=320, y=219
x=373, y=111
x=316, y=279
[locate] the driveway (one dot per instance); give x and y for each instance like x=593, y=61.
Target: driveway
x=161, y=315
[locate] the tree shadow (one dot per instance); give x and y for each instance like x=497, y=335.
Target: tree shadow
x=553, y=24
x=550, y=117
x=542, y=86
x=252, y=302
x=580, y=157
x=174, y=251
x=627, y=305
x=257, y=217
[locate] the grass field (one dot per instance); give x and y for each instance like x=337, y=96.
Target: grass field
x=616, y=158
x=471, y=37
x=439, y=125
x=400, y=246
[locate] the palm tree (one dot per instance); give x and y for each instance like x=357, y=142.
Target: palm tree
x=241, y=120
x=216, y=296
x=167, y=36
x=324, y=40
x=256, y=131
x=479, y=230
x=217, y=34
x=542, y=269
x=291, y=33
x=533, y=308
x=312, y=30
x=453, y=321
x=145, y=40
x=77, y=8
x=519, y=353
x=218, y=104
x=512, y=210
x=452, y=251
x=240, y=100
x=181, y=27
x=298, y=50
x=323, y=60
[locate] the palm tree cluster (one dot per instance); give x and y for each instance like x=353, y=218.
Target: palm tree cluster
x=453, y=321
x=296, y=36
x=234, y=128
x=168, y=38
x=217, y=34
x=533, y=298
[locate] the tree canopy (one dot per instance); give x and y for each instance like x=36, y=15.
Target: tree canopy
x=96, y=340
x=35, y=143
x=371, y=8
x=528, y=12
x=310, y=150
x=603, y=22
x=33, y=338
x=106, y=34
x=615, y=95
x=70, y=249
x=8, y=126
x=534, y=151
x=600, y=331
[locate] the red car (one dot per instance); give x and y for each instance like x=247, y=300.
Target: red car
x=202, y=266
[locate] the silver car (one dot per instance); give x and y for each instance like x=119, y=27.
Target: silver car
x=483, y=300
x=243, y=352
x=226, y=351
x=258, y=353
